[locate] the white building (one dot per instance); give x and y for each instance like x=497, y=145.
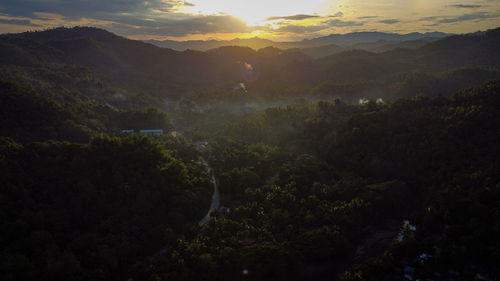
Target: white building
x=155, y=132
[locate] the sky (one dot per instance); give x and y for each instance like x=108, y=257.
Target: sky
x=280, y=20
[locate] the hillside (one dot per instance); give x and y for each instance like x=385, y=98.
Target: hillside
x=126, y=72
x=307, y=186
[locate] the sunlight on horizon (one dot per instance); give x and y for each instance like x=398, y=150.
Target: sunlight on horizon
x=257, y=11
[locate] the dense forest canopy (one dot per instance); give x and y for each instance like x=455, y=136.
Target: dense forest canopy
x=355, y=166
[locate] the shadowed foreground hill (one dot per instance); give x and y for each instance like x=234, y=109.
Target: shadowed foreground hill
x=352, y=170
x=306, y=185
x=92, y=211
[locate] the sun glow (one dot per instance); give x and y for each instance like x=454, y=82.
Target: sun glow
x=255, y=12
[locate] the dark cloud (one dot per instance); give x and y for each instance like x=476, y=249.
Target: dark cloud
x=302, y=29
x=88, y=8
x=468, y=17
x=436, y=20
x=18, y=22
x=340, y=23
x=428, y=18
x=466, y=6
x=194, y=25
x=130, y=17
x=294, y=17
x=303, y=17
x=368, y=17
x=389, y=21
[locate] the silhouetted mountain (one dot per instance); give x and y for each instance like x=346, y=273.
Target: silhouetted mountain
x=20, y=51
x=444, y=54
x=165, y=73
x=199, y=45
x=367, y=37
x=137, y=64
x=385, y=46
x=321, y=51
x=462, y=50
x=344, y=40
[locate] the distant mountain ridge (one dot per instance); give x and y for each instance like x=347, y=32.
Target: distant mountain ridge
x=366, y=37
x=345, y=40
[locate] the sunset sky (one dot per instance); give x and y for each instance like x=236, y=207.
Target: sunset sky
x=227, y=19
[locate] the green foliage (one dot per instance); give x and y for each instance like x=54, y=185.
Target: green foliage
x=93, y=210
x=151, y=118
x=310, y=189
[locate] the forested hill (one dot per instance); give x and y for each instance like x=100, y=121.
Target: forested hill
x=166, y=73
x=315, y=192
x=87, y=76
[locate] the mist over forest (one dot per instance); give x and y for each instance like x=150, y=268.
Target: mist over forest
x=363, y=156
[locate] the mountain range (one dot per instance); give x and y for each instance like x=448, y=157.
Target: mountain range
x=365, y=40
x=162, y=73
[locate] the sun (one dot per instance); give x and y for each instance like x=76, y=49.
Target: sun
x=255, y=12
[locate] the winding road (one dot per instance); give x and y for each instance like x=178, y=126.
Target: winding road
x=215, y=197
